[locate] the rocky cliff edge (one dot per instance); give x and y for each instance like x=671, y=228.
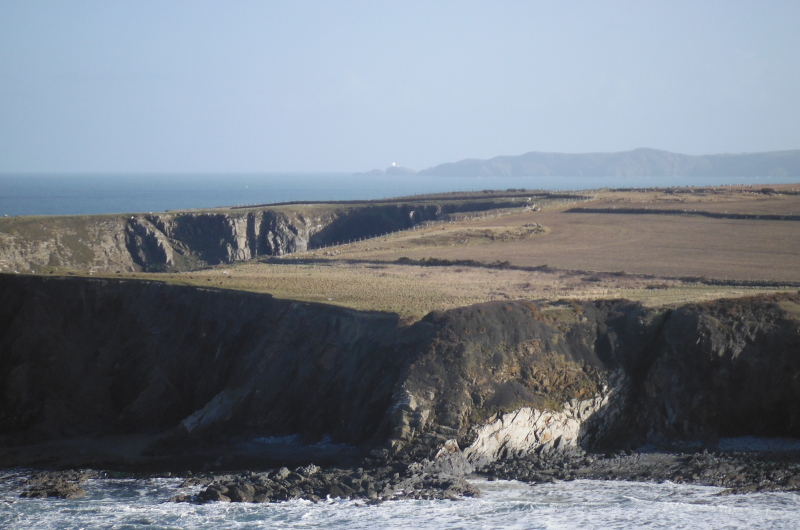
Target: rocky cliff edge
x=201, y=374
x=191, y=240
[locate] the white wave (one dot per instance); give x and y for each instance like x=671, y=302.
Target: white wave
x=504, y=504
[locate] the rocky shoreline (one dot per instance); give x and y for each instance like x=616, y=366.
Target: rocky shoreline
x=736, y=472
x=377, y=480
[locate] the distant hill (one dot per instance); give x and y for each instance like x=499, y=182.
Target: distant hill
x=637, y=163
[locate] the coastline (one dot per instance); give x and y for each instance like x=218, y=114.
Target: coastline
x=139, y=374
x=375, y=481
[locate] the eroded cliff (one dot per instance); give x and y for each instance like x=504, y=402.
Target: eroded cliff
x=190, y=240
x=199, y=368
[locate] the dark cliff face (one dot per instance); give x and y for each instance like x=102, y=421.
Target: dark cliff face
x=725, y=368
x=84, y=357
x=370, y=221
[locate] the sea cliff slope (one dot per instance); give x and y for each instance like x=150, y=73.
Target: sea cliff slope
x=198, y=370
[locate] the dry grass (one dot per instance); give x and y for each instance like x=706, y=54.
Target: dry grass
x=672, y=246
x=653, y=250
x=414, y=290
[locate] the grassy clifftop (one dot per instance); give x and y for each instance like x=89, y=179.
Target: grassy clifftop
x=195, y=239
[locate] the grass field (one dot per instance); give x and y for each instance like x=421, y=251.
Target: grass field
x=671, y=246
x=660, y=260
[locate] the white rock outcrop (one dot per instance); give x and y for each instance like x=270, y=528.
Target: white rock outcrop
x=528, y=430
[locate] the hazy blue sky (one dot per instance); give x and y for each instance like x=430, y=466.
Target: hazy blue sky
x=348, y=86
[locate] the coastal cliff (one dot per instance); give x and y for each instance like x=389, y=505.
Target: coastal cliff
x=198, y=371
x=190, y=240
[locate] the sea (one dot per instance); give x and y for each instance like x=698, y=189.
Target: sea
x=145, y=503
x=80, y=194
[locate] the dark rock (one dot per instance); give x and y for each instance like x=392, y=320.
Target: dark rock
x=308, y=471
x=336, y=491
x=739, y=472
x=215, y=492
x=241, y=493
x=57, y=484
x=61, y=490
x=196, y=481
x=281, y=474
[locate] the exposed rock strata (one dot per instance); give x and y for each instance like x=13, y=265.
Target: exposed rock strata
x=147, y=244
x=188, y=240
x=91, y=242
x=528, y=430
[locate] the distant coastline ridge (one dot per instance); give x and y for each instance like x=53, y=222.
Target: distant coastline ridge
x=642, y=162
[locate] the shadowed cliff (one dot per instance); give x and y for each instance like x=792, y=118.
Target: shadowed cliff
x=198, y=370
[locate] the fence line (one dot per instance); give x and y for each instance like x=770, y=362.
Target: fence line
x=453, y=218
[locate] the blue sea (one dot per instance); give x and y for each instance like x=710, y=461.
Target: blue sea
x=75, y=194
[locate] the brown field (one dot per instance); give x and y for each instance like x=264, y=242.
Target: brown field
x=661, y=245
x=650, y=258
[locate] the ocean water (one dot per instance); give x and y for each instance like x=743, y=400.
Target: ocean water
x=504, y=504
x=75, y=194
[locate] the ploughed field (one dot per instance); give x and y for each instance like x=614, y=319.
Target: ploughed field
x=611, y=246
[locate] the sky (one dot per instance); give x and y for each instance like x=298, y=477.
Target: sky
x=265, y=86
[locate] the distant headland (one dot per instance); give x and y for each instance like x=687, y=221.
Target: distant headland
x=643, y=162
